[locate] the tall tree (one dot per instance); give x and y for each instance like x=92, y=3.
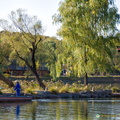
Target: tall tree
x=5, y=50
x=51, y=51
x=88, y=28
x=24, y=38
x=117, y=55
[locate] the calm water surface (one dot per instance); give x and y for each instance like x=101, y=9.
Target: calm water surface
x=62, y=109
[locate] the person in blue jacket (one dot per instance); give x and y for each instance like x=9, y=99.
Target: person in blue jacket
x=17, y=88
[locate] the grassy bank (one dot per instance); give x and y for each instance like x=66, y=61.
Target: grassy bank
x=64, y=85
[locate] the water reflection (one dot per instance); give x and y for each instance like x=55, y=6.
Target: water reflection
x=17, y=111
x=11, y=111
x=62, y=109
x=80, y=109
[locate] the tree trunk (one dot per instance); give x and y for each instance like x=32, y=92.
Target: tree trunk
x=86, y=76
x=54, y=72
x=86, y=79
x=7, y=81
x=40, y=83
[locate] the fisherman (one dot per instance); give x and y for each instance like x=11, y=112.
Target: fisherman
x=17, y=88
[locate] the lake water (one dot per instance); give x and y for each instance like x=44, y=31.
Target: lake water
x=62, y=109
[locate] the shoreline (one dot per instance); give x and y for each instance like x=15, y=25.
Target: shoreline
x=79, y=95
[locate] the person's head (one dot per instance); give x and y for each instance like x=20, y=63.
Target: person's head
x=16, y=81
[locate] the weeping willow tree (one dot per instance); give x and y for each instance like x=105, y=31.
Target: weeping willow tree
x=87, y=28
x=52, y=58
x=52, y=47
x=117, y=55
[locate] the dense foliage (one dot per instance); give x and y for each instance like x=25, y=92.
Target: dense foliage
x=89, y=39
x=88, y=29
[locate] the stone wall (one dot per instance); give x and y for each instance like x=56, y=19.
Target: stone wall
x=93, y=79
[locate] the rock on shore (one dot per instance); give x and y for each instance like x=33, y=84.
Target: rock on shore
x=81, y=94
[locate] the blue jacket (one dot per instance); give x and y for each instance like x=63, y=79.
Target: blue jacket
x=17, y=87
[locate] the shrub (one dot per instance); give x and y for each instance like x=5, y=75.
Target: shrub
x=85, y=88
x=28, y=90
x=75, y=90
x=0, y=92
x=7, y=75
x=115, y=89
x=64, y=89
x=53, y=90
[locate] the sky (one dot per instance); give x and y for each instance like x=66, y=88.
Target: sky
x=43, y=9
